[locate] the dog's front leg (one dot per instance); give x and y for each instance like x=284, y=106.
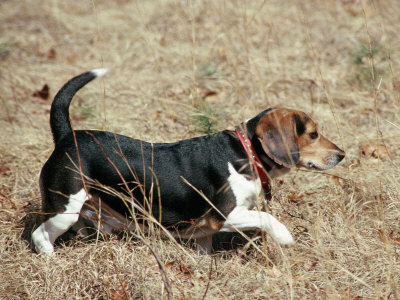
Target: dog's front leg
x=243, y=219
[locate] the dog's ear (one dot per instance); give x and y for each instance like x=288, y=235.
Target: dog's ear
x=277, y=133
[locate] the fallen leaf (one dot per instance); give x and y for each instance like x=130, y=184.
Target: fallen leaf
x=207, y=93
x=43, y=93
x=4, y=169
x=180, y=271
x=381, y=235
x=169, y=265
x=78, y=117
x=120, y=293
x=366, y=149
x=381, y=152
x=345, y=292
x=185, y=271
x=293, y=197
x=156, y=114
x=387, y=239
x=313, y=266
x=393, y=238
x=369, y=149
x=337, y=180
x=51, y=54
x=173, y=118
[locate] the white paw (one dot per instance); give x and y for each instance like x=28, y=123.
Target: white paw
x=41, y=241
x=46, y=252
x=281, y=234
x=44, y=248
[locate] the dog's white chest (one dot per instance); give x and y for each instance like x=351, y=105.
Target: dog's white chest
x=245, y=191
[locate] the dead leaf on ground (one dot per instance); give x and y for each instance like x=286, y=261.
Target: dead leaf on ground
x=78, y=117
x=6, y=200
x=173, y=118
x=393, y=238
x=338, y=180
x=381, y=152
x=120, y=293
x=347, y=294
x=43, y=94
x=4, y=169
x=312, y=266
x=179, y=271
x=156, y=114
x=169, y=265
x=207, y=93
x=51, y=54
x=388, y=238
x=293, y=197
x=369, y=149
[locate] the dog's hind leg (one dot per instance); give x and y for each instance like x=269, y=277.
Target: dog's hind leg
x=45, y=235
x=204, y=244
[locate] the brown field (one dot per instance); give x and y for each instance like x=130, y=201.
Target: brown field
x=179, y=68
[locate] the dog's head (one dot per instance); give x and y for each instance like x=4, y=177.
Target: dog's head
x=290, y=138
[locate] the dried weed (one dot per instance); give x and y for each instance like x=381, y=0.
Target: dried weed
x=255, y=54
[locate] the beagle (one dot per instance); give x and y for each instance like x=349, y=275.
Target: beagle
x=194, y=187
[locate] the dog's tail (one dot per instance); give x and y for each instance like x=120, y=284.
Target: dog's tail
x=60, y=123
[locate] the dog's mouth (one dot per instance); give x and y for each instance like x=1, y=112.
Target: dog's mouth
x=311, y=166
x=317, y=165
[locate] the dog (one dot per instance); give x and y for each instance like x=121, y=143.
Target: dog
x=194, y=188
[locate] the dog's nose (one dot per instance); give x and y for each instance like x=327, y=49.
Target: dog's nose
x=340, y=155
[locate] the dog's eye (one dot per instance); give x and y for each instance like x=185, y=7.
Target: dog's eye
x=313, y=135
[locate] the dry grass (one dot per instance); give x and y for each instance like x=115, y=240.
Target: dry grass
x=165, y=55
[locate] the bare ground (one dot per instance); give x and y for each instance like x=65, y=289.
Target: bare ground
x=336, y=60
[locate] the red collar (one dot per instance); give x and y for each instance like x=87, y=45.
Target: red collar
x=255, y=160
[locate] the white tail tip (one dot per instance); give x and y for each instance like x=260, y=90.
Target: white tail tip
x=99, y=72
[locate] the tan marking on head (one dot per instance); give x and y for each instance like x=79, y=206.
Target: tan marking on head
x=291, y=137
x=277, y=136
